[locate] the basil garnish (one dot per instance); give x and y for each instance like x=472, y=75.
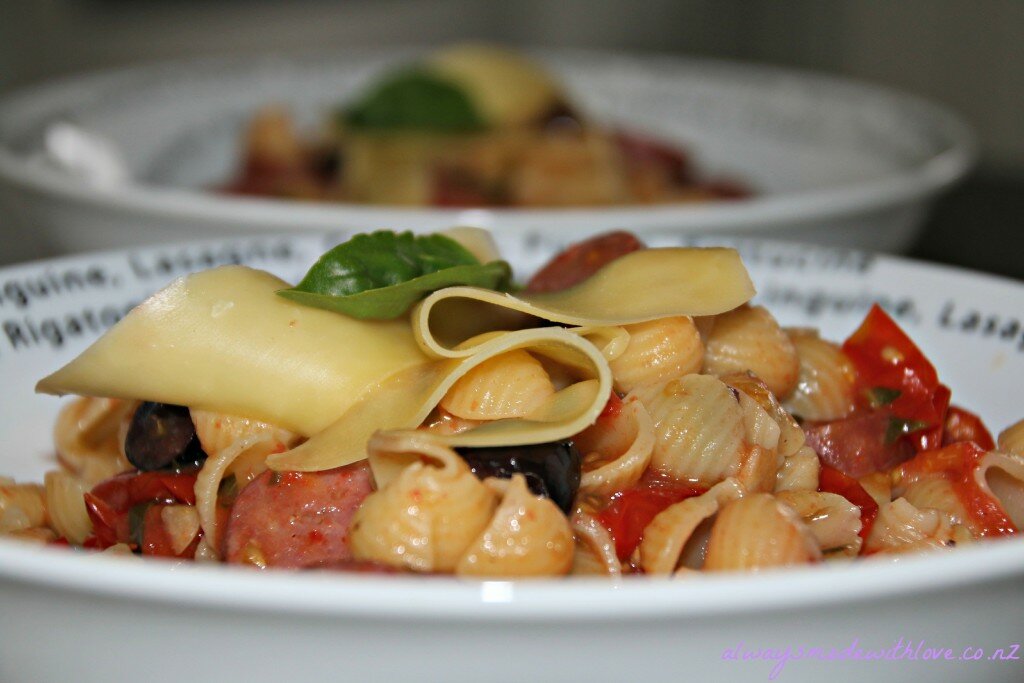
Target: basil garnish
x=137, y=523
x=414, y=99
x=898, y=427
x=380, y=275
x=882, y=396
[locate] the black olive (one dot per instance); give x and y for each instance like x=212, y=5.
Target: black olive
x=551, y=469
x=162, y=436
x=327, y=163
x=562, y=117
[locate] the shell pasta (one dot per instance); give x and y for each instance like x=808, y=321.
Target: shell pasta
x=626, y=411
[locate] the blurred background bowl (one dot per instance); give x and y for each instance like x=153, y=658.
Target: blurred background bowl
x=831, y=161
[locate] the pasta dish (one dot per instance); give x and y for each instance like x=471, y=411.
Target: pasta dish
x=407, y=407
x=470, y=125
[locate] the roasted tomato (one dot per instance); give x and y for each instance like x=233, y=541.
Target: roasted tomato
x=893, y=374
x=962, y=425
x=831, y=480
x=120, y=506
x=901, y=404
x=632, y=510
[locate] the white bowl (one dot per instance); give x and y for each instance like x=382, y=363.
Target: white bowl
x=71, y=616
x=832, y=161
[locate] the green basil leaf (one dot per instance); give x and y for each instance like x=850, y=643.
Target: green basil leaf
x=414, y=99
x=381, y=275
x=898, y=427
x=137, y=523
x=882, y=396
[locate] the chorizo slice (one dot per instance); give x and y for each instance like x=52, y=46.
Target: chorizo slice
x=581, y=260
x=297, y=519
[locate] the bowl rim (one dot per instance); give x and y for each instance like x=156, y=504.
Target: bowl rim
x=325, y=593
x=918, y=182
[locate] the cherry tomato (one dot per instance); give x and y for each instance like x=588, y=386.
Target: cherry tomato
x=902, y=406
x=633, y=509
x=887, y=359
x=962, y=425
x=110, y=502
x=831, y=480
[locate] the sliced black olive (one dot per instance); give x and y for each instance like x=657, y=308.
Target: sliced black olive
x=162, y=436
x=551, y=469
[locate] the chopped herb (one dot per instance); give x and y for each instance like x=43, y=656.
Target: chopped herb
x=881, y=396
x=898, y=427
x=227, y=492
x=137, y=523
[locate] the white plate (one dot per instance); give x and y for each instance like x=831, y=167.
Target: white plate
x=67, y=616
x=833, y=161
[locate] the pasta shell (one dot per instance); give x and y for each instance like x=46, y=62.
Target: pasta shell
x=122, y=550
x=799, y=472
x=658, y=350
x=761, y=461
x=513, y=384
x=89, y=436
x=1011, y=439
x=182, y=525
x=38, y=534
x=218, y=432
x=698, y=427
x=756, y=532
x=758, y=469
x=272, y=140
x=901, y=527
x=664, y=540
x=1001, y=475
x=528, y=536
x=878, y=485
x=758, y=426
x=834, y=521
x=22, y=507
x=617, y=449
x=594, y=552
x=748, y=339
x=209, y=479
x=65, y=504
x=936, y=493
x=428, y=507
x=791, y=436
x=825, y=385
x=442, y=422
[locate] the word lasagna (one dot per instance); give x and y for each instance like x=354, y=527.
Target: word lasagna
x=407, y=408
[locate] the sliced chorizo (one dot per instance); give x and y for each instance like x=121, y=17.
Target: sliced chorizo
x=581, y=260
x=297, y=519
